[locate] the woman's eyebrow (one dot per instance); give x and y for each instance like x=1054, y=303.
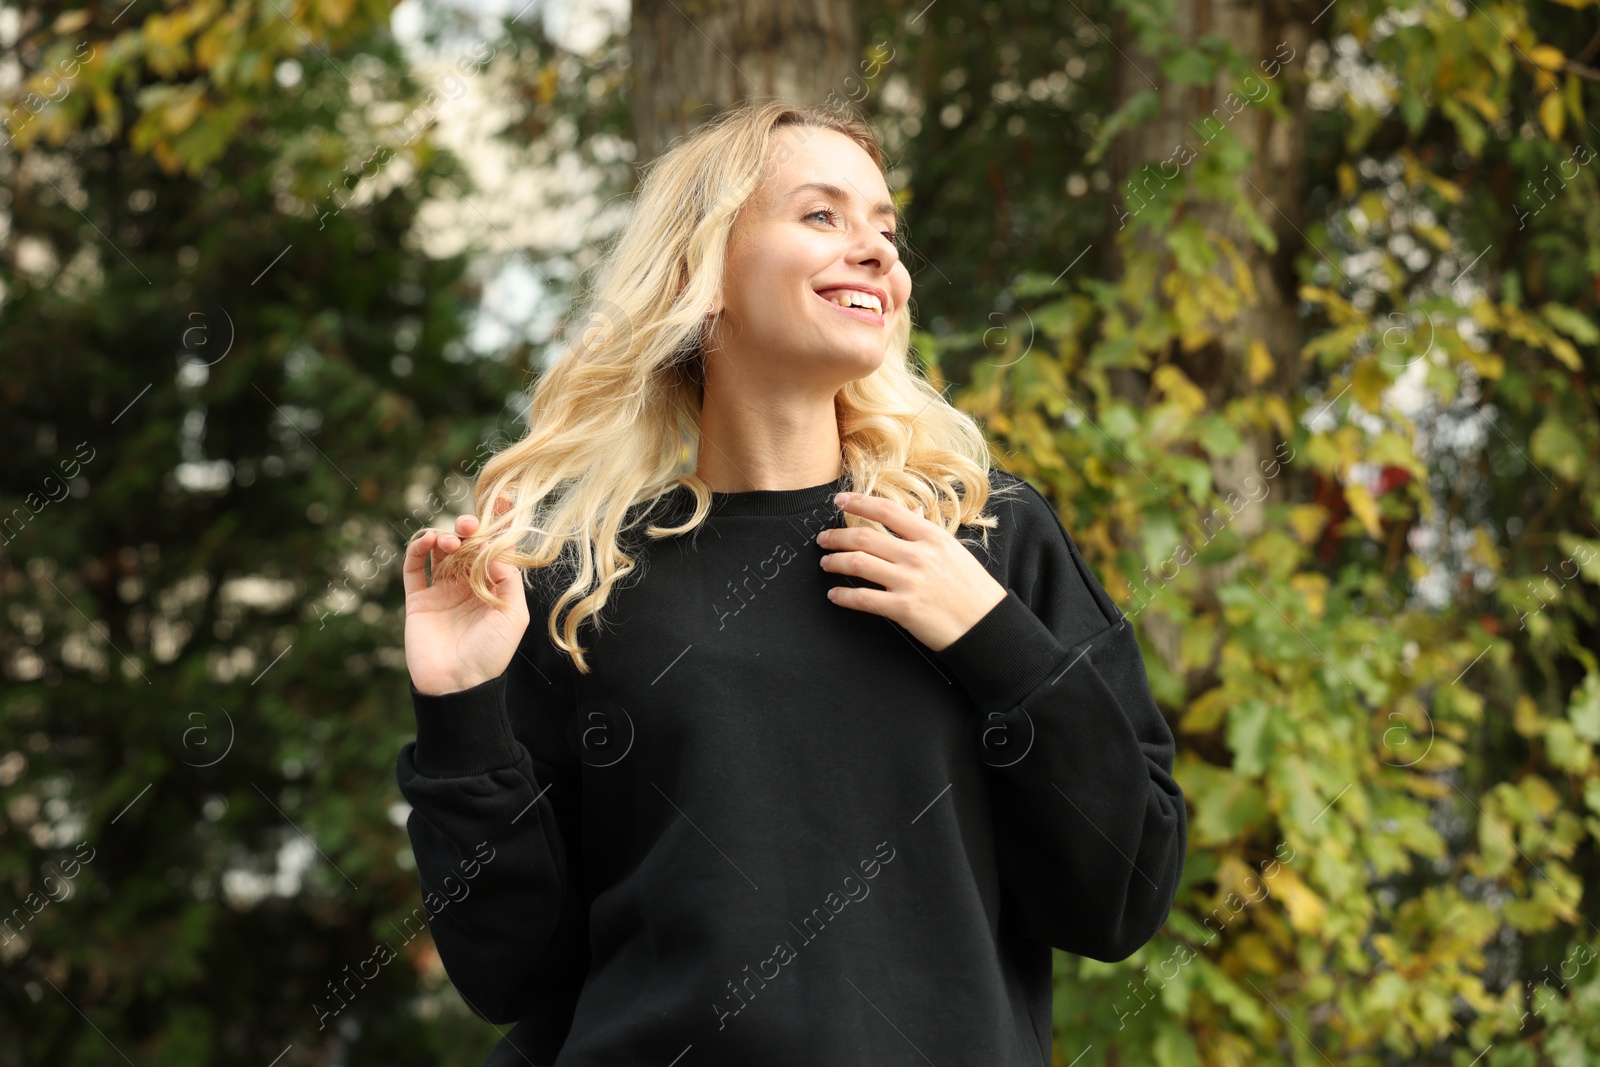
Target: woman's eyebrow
x=837, y=193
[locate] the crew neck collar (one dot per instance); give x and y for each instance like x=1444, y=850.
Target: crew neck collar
x=778, y=501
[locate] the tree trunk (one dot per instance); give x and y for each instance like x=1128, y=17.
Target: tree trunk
x=1276, y=40
x=693, y=58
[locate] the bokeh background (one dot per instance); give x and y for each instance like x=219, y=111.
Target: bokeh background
x=1289, y=307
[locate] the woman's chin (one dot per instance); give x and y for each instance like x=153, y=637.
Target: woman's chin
x=856, y=360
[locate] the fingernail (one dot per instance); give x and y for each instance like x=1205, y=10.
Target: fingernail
x=841, y=498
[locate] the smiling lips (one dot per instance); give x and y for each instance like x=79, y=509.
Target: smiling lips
x=869, y=303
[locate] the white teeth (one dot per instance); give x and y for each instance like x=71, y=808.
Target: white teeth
x=855, y=298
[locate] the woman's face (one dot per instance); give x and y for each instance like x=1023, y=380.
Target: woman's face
x=819, y=228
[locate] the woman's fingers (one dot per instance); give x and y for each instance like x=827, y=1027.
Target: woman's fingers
x=413, y=576
x=437, y=544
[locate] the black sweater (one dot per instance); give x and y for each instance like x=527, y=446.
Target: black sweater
x=768, y=829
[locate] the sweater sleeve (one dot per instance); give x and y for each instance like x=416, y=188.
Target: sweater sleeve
x=1090, y=826
x=495, y=829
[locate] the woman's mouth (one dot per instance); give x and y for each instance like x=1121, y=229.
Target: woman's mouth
x=864, y=314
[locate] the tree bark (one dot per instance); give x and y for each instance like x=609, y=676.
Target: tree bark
x=693, y=58
x=1273, y=183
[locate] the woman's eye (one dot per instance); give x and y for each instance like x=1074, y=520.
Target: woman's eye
x=833, y=216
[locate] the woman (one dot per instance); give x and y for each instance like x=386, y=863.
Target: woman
x=830, y=781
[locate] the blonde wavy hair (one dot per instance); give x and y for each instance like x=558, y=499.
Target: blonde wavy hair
x=613, y=423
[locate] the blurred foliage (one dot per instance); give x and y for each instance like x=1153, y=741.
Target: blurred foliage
x=1385, y=680
x=231, y=387
x=232, y=378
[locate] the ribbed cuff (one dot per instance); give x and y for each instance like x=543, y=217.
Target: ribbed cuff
x=1006, y=654
x=465, y=732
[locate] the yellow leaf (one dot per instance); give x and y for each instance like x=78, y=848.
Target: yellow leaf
x=1423, y=785
x=1370, y=383
x=183, y=111
x=1347, y=180
x=1197, y=647
x=1562, y=349
x=1205, y=712
x=1540, y=794
x=1307, y=521
x=1279, y=415
x=1390, y=951
x=1260, y=363
x=1364, y=508
x=1486, y=107
x=1491, y=316
x=1179, y=389
x=337, y=12
x=1548, y=57
x=1443, y=186
x=1525, y=717
x=1306, y=909
x=1488, y=364
x=1483, y=551
x=1314, y=589
x=1255, y=951
x=1553, y=115
x=70, y=22
x=1436, y=235
x=1373, y=207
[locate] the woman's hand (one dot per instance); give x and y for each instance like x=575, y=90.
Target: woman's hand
x=455, y=641
x=932, y=585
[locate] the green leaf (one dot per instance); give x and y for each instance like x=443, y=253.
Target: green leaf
x=1495, y=844
x=1217, y=435
x=1571, y=322
x=1059, y=318
x=1160, y=536
x=1193, y=248
x=1469, y=127
x=1032, y=284
x=1139, y=107
x=1250, y=737
x=1115, y=352
x=1173, y=1047
x=1584, y=709
x=1554, y=445
x=1414, y=109
x=1194, y=473
x=1189, y=66
x=1583, y=553
x=1226, y=806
